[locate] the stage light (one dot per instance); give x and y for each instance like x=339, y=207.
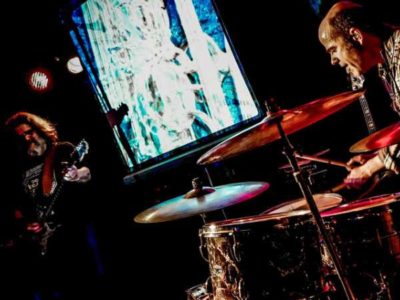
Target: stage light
x=39, y=80
x=74, y=65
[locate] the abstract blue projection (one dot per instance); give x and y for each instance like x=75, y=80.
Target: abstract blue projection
x=171, y=63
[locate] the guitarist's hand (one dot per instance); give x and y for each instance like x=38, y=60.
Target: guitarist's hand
x=73, y=174
x=360, y=175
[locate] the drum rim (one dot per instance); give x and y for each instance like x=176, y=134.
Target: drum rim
x=253, y=219
x=362, y=205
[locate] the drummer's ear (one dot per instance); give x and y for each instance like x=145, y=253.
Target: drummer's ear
x=356, y=35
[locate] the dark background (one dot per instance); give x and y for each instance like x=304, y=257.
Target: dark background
x=278, y=46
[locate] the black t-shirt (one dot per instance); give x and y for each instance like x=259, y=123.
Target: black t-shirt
x=34, y=204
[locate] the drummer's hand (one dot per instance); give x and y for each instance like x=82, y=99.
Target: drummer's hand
x=359, y=160
x=358, y=176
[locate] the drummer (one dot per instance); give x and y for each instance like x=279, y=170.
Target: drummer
x=357, y=41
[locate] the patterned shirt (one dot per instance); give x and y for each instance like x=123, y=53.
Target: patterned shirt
x=390, y=75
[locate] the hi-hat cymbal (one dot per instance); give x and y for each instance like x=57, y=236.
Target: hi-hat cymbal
x=214, y=198
x=385, y=137
x=266, y=131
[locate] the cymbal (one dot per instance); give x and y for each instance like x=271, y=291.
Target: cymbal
x=362, y=204
x=214, y=198
x=266, y=131
x=323, y=202
x=385, y=137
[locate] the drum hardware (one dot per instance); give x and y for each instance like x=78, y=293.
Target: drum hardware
x=315, y=174
x=304, y=164
x=208, y=176
x=298, y=174
x=198, y=292
x=278, y=124
x=331, y=162
x=304, y=159
x=198, y=191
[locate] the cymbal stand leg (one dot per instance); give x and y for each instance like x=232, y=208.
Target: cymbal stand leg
x=211, y=216
x=208, y=177
x=212, y=184
x=203, y=218
x=298, y=174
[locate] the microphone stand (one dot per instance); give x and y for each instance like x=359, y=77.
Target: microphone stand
x=298, y=174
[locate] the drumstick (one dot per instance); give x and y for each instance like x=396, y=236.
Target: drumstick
x=337, y=163
x=338, y=188
x=323, y=160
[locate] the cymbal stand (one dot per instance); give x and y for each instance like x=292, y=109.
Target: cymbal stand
x=198, y=190
x=298, y=174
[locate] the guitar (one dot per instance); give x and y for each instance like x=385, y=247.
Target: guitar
x=47, y=227
x=357, y=83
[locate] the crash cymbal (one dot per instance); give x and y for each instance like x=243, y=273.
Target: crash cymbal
x=266, y=131
x=211, y=198
x=323, y=201
x=385, y=137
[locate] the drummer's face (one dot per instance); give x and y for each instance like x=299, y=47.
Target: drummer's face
x=344, y=53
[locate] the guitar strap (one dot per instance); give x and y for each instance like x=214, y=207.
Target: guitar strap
x=48, y=171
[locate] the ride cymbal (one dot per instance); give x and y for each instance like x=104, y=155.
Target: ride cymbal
x=266, y=131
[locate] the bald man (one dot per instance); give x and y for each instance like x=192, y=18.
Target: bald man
x=357, y=41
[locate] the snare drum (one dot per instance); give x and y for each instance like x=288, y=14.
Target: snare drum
x=366, y=235
x=323, y=202
x=264, y=257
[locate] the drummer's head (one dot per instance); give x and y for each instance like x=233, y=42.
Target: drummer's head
x=353, y=37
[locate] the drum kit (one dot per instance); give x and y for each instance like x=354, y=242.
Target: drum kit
x=315, y=247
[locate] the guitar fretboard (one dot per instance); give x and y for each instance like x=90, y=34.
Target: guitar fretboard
x=357, y=84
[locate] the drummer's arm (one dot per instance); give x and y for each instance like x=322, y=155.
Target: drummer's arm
x=369, y=168
x=390, y=158
x=386, y=158
x=359, y=175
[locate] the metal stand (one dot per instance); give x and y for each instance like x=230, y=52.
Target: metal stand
x=298, y=174
x=199, y=190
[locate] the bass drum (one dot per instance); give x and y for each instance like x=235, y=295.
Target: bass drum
x=264, y=257
x=366, y=234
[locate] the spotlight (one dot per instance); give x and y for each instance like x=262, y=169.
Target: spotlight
x=74, y=65
x=40, y=80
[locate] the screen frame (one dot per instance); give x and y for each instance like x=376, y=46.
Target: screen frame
x=188, y=149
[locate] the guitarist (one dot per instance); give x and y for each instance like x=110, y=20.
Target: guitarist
x=44, y=166
x=357, y=41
